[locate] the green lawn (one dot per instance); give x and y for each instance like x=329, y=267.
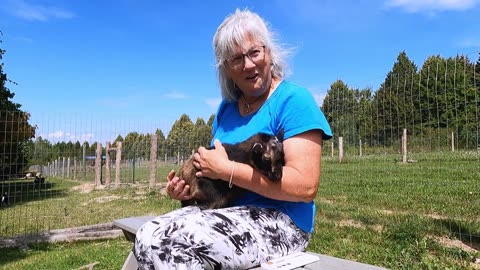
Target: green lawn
x=420, y=215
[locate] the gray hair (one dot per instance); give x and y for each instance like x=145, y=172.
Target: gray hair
x=233, y=31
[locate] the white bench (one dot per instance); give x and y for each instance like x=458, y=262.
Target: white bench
x=130, y=226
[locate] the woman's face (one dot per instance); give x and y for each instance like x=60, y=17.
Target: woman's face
x=252, y=75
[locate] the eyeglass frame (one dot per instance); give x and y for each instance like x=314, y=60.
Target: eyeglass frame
x=243, y=55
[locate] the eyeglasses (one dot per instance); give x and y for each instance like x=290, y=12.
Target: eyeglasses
x=256, y=55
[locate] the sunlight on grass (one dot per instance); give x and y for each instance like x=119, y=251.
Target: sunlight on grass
x=375, y=210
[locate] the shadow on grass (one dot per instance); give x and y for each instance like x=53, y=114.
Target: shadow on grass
x=12, y=254
x=8, y=255
x=467, y=234
x=18, y=192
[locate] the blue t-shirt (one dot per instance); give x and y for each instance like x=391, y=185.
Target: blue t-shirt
x=290, y=107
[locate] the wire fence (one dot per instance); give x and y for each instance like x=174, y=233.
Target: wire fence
x=429, y=116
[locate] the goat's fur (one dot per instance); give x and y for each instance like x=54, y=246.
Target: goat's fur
x=262, y=151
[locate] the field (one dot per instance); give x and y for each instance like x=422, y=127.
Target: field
x=424, y=214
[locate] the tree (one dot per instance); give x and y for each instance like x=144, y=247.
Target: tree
x=393, y=101
x=212, y=118
x=15, y=131
x=477, y=69
x=202, y=133
x=178, y=140
x=161, y=143
x=339, y=107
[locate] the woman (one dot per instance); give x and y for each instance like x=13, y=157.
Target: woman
x=272, y=219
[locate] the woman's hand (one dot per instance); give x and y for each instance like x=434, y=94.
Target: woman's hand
x=213, y=163
x=176, y=187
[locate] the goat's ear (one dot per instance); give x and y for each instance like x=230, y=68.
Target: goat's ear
x=257, y=148
x=280, y=134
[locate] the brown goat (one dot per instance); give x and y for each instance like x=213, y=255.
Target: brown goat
x=262, y=151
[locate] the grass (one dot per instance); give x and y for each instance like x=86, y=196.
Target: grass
x=421, y=215
x=109, y=254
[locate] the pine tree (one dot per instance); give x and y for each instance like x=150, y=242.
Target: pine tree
x=15, y=131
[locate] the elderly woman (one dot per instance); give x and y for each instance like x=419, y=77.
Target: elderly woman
x=272, y=219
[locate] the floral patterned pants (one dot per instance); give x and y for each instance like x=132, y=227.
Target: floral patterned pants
x=229, y=238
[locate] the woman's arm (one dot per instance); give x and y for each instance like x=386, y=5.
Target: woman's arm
x=301, y=173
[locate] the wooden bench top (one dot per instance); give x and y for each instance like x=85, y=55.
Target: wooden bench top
x=130, y=226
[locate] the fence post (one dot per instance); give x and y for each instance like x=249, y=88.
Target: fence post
x=333, y=146
x=63, y=167
x=453, y=142
x=118, y=164
x=107, y=165
x=68, y=167
x=360, y=146
x=340, y=149
x=153, y=160
x=74, y=168
x=98, y=165
x=84, y=155
x=404, y=146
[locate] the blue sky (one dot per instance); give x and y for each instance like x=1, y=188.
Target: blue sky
x=80, y=64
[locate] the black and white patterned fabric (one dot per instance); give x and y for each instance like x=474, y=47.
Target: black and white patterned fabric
x=229, y=238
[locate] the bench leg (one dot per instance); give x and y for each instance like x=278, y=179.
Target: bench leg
x=130, y=263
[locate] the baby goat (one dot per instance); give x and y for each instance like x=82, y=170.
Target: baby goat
x=262, y=151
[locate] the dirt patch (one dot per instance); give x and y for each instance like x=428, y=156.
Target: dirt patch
x=84, y=188
x=387, y=212
x=136, y=198
x=360, y=225
x=377, y=228
x=104, y=199
x=436, y=216
x=326, y=201
x=350, y=223
x=454, y=243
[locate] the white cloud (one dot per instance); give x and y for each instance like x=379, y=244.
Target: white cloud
x=176, y=95
x=318, y=95
x=32, y=12
x=414, y=6
x=24, y=39
x=345, y=15
x=117, y=103
x=213, y=103
x=471, y=42
x=60, y=135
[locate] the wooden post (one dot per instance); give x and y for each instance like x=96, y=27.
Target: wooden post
x=165, y=159
x=68, y=167
x=333, y=146
x=360, y=146
x=404, y=146
x=74, y=168
x=118, y=164
x=340, y=149
x=153, y=161
x=178, y=158
x=107, y=165
x=84, y=155
x=453, y=142
x=98, y=165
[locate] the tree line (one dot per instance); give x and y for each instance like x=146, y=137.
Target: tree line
x=183, y=137
x=431, y=102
